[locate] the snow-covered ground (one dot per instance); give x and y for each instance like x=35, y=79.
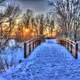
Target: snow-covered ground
x=49, y=61
x=10, y=55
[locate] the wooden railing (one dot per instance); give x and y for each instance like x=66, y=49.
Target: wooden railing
x=30, y=45
x=71, y=46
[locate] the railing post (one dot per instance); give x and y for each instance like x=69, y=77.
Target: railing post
x=76, y=51
x=67, y=45
x=71, y=49
x=40, y=40
x=36, y=43
x=25, y=50
x=33, y=45
x=29, y=48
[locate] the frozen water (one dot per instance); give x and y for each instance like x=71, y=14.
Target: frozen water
x=49, y=61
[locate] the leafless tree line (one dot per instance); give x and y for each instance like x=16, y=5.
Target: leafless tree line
x=68, y=17
x=38, y=22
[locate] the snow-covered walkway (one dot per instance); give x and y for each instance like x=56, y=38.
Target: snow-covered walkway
x=49, y=61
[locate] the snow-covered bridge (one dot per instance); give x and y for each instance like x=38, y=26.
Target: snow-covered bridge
x=49, y=61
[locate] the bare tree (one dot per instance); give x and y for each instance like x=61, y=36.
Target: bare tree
x=11, y=13
x=41, y=24
x=1, y=17
x=67, y=11
x=51, y=26
x=27, y=17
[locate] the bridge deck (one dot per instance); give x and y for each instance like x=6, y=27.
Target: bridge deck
x=49, y=61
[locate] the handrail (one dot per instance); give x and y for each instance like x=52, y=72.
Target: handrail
x=71, y=46
x=30, y=45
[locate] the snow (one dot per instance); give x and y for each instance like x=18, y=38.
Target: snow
x=10, y=55
x=49, y=61
x=51, y=41
x=12, y=43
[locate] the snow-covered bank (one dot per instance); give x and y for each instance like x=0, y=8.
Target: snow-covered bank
x=49, y=61
x=10, y=55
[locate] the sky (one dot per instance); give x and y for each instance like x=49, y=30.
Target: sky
x=40, y=6
x=37, y=5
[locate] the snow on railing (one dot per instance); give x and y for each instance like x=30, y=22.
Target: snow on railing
x=71, y=46
x=30, y=45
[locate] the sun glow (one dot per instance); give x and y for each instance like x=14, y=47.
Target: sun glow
x=27, y=30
